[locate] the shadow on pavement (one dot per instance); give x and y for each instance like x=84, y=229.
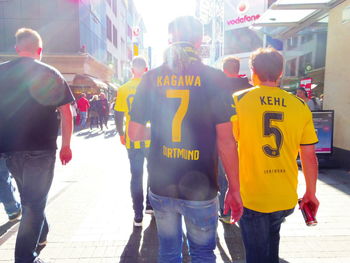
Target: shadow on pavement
x=110, y=133
x=149, y=250
x=148, y=253
x=4, y=229
x=234, y=243
x=337, y=178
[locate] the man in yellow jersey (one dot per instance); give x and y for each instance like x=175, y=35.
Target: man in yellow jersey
x=137, y=150
x=271, y=126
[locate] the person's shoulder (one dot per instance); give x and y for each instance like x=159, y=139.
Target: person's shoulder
x=239, y=95
x=160, y=70
x=48, y=69
x=124, y=86
x=213, y=72
x=8, y=65
x=151, y=76
x=5, y=64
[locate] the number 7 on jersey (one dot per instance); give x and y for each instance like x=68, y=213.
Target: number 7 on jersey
x=184, y=96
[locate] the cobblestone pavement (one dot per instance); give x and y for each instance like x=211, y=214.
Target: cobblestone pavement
x=90, y=215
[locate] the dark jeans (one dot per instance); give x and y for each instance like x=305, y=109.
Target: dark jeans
x=137, y=158
x=103, y=120
x=33, y=172
x=7, y=190
x=261, y=234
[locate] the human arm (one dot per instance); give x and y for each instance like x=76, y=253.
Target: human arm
x=119, y=115
x=227, y=148
x=310, y=169
x=67, y=129
x=138, y=132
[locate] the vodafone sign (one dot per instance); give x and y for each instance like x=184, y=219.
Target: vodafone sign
x=242, y=13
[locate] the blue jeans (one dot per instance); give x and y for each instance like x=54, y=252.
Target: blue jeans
x=83, y=118
x=201, y=219
x=261, y=235
x=137, y=158
x=7, y=190
x=33, y=172
x=222, y=187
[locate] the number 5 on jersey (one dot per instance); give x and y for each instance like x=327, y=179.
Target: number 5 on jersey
x=269, y=130
x=184, y=96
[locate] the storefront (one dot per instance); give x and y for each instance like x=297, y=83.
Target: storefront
x=316, y=41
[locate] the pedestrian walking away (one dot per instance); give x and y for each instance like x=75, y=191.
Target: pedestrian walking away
x=102, y=110
x=189, y=110
x=231, y=66
x=7, y=197
x=93, y=112
x=137, y=150
x=31, y=94
x=271, y=126
x=83, y=107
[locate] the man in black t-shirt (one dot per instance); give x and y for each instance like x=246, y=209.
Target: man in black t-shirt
x=231, y=66
x=31, y=93
x=187, y=105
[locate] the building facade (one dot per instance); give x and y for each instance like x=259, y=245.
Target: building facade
x=81, y=38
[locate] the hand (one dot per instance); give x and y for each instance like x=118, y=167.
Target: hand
x=65, y=155
x=312, y=201
x=234, y=203
x=122, y=139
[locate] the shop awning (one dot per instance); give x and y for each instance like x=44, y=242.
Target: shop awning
x=286, y=17
x=87, y=80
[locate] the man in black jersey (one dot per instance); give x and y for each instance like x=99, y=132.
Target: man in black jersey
x=189, y=110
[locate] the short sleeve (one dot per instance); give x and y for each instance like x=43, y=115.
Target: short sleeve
x=68, y=96
x=120, y=103
x=234, y=118
x=141, y=106
x=222, y=101
x=52, y=90
x=309, y=136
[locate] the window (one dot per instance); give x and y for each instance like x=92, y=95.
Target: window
x=115, y=37
x=292, y=43
x=109, y=29
x=291, y=67
x=115, y=7
x=115, y=67
x=109, y=58
x=306, y=38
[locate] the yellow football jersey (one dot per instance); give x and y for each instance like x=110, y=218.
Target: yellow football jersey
x=270, y=125
x=123, y=103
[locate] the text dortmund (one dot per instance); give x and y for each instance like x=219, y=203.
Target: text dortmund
x=176, y=153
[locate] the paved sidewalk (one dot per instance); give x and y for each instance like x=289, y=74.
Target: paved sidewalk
x=91, y=216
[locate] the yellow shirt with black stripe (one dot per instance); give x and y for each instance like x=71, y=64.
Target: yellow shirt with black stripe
x=269, y=125
x=123, y=103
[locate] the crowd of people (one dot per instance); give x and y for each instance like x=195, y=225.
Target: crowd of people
x=203, y=131
x=93, y=111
